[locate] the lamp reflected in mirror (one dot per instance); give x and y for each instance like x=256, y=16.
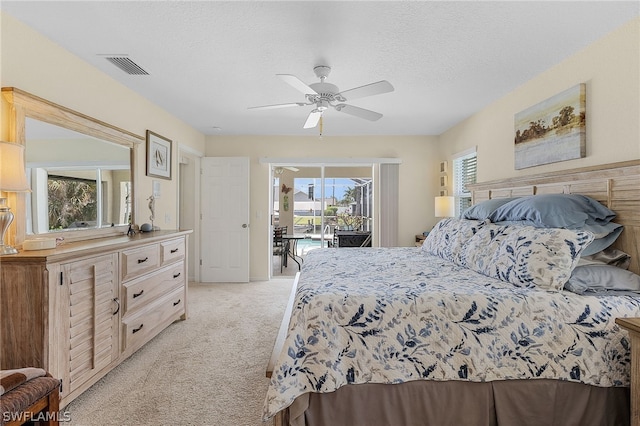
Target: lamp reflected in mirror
x=12, y=179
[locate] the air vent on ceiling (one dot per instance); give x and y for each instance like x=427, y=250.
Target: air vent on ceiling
x=126, y=65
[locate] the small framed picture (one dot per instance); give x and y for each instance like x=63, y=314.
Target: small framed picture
x=444, y=192
x=443, y=167
x=443, y=181
x=158, y=156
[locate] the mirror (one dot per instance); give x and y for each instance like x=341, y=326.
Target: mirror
x=77, y=181
x=71, y=157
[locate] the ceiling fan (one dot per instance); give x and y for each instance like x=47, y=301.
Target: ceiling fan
x=280, y=169
x=324, y=95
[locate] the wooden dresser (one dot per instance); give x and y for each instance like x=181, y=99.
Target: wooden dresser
x=80, y=309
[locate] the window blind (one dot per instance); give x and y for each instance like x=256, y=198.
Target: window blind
x=465, y=168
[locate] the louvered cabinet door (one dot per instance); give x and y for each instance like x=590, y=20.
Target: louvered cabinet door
x=93, y=321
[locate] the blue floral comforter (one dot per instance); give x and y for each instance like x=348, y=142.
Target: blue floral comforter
x=392, y=315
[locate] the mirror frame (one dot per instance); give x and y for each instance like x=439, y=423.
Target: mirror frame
x=23, y=105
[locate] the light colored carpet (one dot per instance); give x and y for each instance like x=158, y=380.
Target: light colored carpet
x=207, y=370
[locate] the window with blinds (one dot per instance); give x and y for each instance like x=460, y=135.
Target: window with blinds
x=464, y=173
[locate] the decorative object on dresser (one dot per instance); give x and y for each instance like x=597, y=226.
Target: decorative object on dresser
x=80, y=309
x=158, y=156
x=12, y=179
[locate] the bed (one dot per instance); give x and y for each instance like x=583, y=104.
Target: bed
x=462, y=330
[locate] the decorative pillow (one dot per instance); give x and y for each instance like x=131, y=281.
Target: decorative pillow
x=554, y=210
x=448, y=237
x=604, y=235
x=602, y=278
x=482, y=210
x=524, y=255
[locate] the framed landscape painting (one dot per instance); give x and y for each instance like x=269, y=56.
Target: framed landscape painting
x=553, y=130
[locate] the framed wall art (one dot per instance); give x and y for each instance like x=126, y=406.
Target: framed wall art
x=553, y=130
x=158, y=156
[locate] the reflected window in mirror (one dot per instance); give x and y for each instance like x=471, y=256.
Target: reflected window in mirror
x=77, y=181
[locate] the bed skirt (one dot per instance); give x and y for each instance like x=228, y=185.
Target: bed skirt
x=499, y=403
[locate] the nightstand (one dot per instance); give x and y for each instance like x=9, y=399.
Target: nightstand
x=633, y=326
x=420, y=239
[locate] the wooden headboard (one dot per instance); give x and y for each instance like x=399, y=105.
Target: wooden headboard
x=616, y=185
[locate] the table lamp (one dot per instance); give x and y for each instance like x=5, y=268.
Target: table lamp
x=445, y=206
x=12, y=179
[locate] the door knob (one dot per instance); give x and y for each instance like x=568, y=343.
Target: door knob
x=244, y=225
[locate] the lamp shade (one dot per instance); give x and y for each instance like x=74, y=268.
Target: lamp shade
x=12, y=174
x=445, y=207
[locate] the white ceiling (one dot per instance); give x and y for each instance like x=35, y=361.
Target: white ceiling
x=209, y=61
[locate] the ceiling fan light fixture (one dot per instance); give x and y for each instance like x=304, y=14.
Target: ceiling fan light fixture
x=324, y=95
x=322, y=72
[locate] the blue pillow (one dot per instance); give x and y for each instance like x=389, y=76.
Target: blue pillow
x=602, y=278
x=603, y=242
x=483, y=209
x=571, y=211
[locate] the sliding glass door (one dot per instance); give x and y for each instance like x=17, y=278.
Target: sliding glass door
x=315, y=201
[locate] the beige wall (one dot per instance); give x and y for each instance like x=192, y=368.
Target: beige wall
x=610, y=68
x=418, y=177
x=33, y=63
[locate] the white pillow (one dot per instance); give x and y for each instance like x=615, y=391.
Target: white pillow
x=526, y=256
x=448, y=238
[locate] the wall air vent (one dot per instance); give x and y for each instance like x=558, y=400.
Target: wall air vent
x=126, y=65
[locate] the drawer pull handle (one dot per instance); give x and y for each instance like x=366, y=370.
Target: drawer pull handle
x=174, y=251
x=177, y=303
x=138, y=294
x=143, y=260
x=135, y=330
x=115, y=299
x=176, y=275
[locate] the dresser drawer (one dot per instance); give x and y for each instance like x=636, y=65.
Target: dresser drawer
x=143, y=290
x=172, y=250
x=138, y=261
x=139, y=328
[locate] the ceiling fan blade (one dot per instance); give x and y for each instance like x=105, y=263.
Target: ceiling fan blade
x=359, y=112
x=369, y=90
x=291, y=168
x=297, y=84
x=312, y=119
x=292, y=104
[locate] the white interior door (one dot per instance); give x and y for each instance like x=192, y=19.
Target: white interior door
x=224, y=195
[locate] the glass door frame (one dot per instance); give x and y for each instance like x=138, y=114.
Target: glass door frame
x=273, y=162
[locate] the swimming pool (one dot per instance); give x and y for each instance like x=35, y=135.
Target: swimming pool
x=308, y=244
